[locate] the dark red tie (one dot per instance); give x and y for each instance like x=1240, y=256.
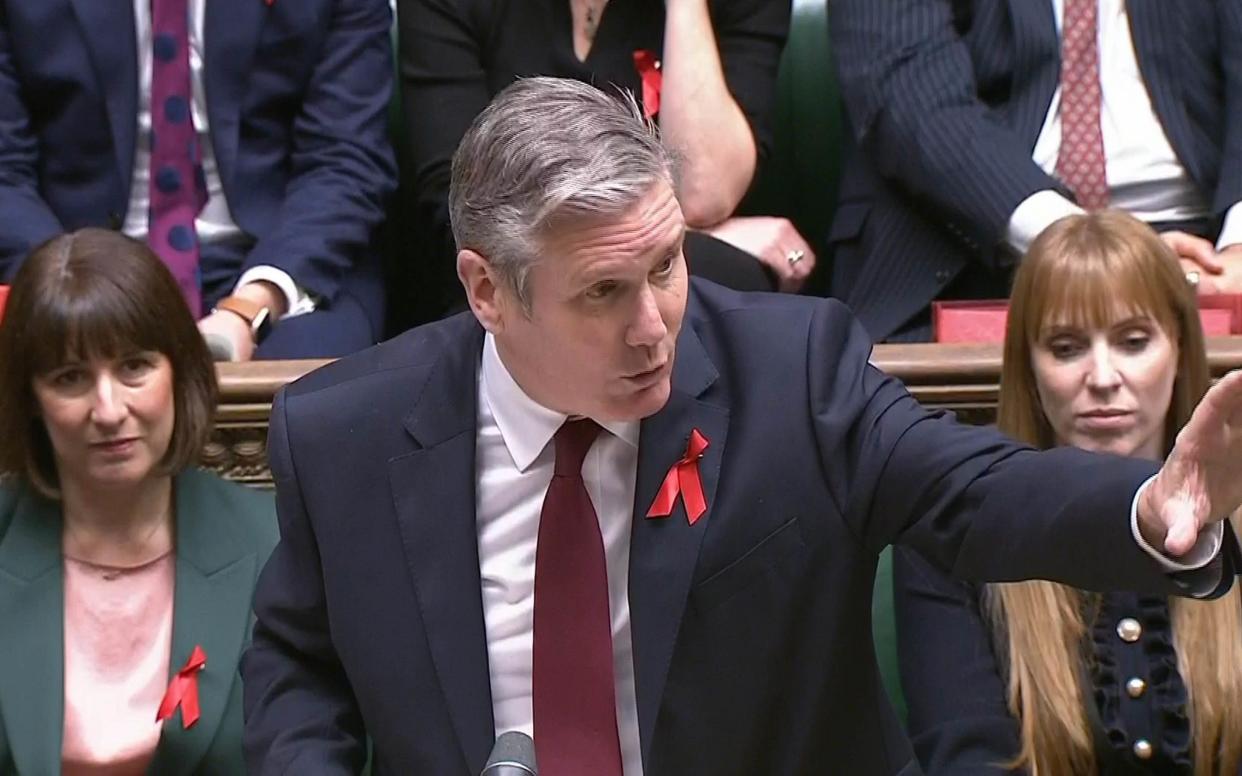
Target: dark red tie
x=177, y=188
x=1080, y=162
x=574, y=693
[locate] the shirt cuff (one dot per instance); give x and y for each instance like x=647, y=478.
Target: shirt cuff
x=1034, y=214
x=297, y=300
x=1204, y=551
x=1231, y=229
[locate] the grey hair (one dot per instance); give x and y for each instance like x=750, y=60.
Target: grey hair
x=544, y=150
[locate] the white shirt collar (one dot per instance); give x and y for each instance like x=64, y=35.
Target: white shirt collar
x=525, y=424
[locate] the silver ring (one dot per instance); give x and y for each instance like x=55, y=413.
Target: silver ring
x=795, y=256
x=1192, y=277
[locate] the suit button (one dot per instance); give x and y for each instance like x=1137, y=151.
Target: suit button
x=1129, y=630
x=1135, y=687
x=1143, y=749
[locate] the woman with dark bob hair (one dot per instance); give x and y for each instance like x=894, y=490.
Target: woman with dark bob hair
x=1104, y=350
x=126, y=577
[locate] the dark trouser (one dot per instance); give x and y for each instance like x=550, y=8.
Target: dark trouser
x=348, y=323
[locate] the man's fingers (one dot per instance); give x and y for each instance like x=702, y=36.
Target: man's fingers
x=1221, y=404
x=1196, y=249
x=1182, y=534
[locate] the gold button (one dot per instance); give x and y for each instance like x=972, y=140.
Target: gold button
x=1129, y=630
x=1136, y=687
x=1143, y=749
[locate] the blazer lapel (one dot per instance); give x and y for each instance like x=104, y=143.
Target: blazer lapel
x=1155, y=28
x=108, y=33
x=664, y=551
x=230, y=35
x=1037, y=52
x=434, y=494
x=211, y=608
x=32, y=636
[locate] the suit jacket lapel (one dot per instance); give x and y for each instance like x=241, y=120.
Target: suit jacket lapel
x=434, y=494
x=664, y=551
x=1036, y=51
x=230, y=35
x=108, y=33
x=1155, y=28
x=32, y=636
x=211, y=608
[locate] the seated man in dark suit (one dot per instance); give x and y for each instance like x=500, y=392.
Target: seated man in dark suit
x=245, y=140
x=639, y=515
x=979, y=123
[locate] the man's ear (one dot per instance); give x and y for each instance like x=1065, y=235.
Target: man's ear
x=484, y=292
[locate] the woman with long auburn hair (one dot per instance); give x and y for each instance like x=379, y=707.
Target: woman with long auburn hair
x=1104, y=351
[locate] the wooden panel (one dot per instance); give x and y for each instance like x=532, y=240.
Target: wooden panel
x=962, y=378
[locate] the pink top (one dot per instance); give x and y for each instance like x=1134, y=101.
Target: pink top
x=118, y=636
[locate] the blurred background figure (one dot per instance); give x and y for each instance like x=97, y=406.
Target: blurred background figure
x=1104, y=351
x=122, y=568
x=704, y=70
x=272, y=167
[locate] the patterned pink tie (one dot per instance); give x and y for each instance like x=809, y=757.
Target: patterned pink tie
x=573, y=687
x=177, y=187
x=1080, y=163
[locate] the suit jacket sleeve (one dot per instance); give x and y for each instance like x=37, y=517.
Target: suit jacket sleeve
x=958, y=720
x=909, y=88
x=974, y=502
x=301, y=716
x=1229, y=189
x=342, y=169
x=25, y=219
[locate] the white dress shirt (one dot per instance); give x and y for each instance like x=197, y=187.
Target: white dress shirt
x=1145, y=177
x=514, y=462
x=214, y=223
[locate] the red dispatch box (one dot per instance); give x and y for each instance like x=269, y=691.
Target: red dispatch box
x=4, y=294
x=984, y=320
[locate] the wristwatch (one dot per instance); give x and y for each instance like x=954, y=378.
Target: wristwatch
x=256, y=315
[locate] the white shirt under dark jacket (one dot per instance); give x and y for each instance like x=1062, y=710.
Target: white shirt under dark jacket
x=214, y=223
x=514, y=461
x=1145, y=177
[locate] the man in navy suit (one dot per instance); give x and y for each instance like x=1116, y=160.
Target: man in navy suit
x=960, y=109
x=289, y=100
x=637, y=515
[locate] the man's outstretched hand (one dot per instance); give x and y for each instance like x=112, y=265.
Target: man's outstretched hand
x=1201, y=480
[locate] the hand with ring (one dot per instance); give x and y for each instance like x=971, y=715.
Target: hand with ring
x=773, y=241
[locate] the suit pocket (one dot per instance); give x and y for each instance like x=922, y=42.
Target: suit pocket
x=772, y=555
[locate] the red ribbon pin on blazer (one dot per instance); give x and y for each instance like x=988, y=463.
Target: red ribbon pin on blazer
x=683, y=478
x=648, y=68
x=183, y=690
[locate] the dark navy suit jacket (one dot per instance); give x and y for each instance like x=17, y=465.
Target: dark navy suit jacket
x=751, y=628
x=297, y=98
x=946, y=99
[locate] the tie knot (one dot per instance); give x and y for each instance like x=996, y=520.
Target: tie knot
x=573, y=440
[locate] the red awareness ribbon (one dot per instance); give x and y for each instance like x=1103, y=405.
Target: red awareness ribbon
x=183, y=690
x=648, y=68
x=683, y=478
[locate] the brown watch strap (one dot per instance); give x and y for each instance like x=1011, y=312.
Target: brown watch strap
x=247, y=309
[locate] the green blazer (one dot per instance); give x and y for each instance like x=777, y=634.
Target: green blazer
x=224, y=535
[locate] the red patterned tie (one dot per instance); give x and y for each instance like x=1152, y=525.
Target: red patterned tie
x=177, y=188
x=574, y=693
x=1080, y=163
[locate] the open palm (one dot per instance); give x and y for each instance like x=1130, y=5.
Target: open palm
x=1201, y=481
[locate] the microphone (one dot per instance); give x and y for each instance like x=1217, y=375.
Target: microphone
x=513, y=755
